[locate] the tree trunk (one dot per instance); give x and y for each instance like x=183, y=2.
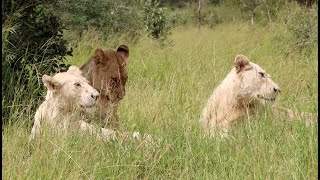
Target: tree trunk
x=252, y=19
x=199, y=13
x=268, y=11
x=269, y=16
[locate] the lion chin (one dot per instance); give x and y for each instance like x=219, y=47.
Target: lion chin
x=267, y=101
x=88, y=108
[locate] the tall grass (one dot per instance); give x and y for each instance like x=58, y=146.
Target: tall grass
x=166, y=91
x=19, y=93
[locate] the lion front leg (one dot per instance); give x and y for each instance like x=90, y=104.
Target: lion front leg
x=102, y=133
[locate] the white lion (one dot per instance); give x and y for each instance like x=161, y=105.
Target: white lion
x=68, y=92
x=69, y=97
x=245, y=90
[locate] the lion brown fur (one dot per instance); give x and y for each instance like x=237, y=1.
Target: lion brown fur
x=106, y=72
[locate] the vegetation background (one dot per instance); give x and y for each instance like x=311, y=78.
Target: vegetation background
x=176, y=60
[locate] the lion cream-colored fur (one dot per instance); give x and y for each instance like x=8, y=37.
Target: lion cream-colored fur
x=68, y=93
x=245, y=90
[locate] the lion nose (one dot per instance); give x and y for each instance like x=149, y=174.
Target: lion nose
x=121, y=94
x=120, y=97
x=95, y=96
x=276, y=89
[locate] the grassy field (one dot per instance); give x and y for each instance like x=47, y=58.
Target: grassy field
x=166, y=91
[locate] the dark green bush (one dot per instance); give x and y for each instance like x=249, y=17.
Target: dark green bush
x=154, y=19
x=303, y=23
x=32, y=45
x=177, y=18
x=108, y=16
x=211, y=19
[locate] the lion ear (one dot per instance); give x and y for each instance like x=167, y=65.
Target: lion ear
x=74, y=69
x=50, y=83
x=123, y=50
x=98, y=56
x=240, y=62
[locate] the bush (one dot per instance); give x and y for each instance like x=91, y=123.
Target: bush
x=32, y=45
x=303, y=23
x=177, y=18
x=108, y=16
x=154, y=19
x=211, y=19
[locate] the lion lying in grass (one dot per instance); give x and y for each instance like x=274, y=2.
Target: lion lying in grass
x=246, y=90
x=69, y=97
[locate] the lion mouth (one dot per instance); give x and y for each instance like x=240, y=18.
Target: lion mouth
x=267, y=99
x=87, y=107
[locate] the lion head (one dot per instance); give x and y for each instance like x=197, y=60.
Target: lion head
x=255, y=84
x=109, y=72
x=72, y=88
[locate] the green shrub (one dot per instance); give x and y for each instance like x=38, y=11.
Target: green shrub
x=154, y=19
x=177, y=18
x=211, y=19
x=32, y=45
x=303, y=23
x=111, y=17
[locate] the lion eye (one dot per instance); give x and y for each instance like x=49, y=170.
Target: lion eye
x=262, y=74
x=77, y=84
x=114, y=81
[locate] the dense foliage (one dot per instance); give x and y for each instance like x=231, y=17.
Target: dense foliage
x=303, y=23
x=154, y=19
x=114, y=18
x=111, y=17
x=32, y=45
